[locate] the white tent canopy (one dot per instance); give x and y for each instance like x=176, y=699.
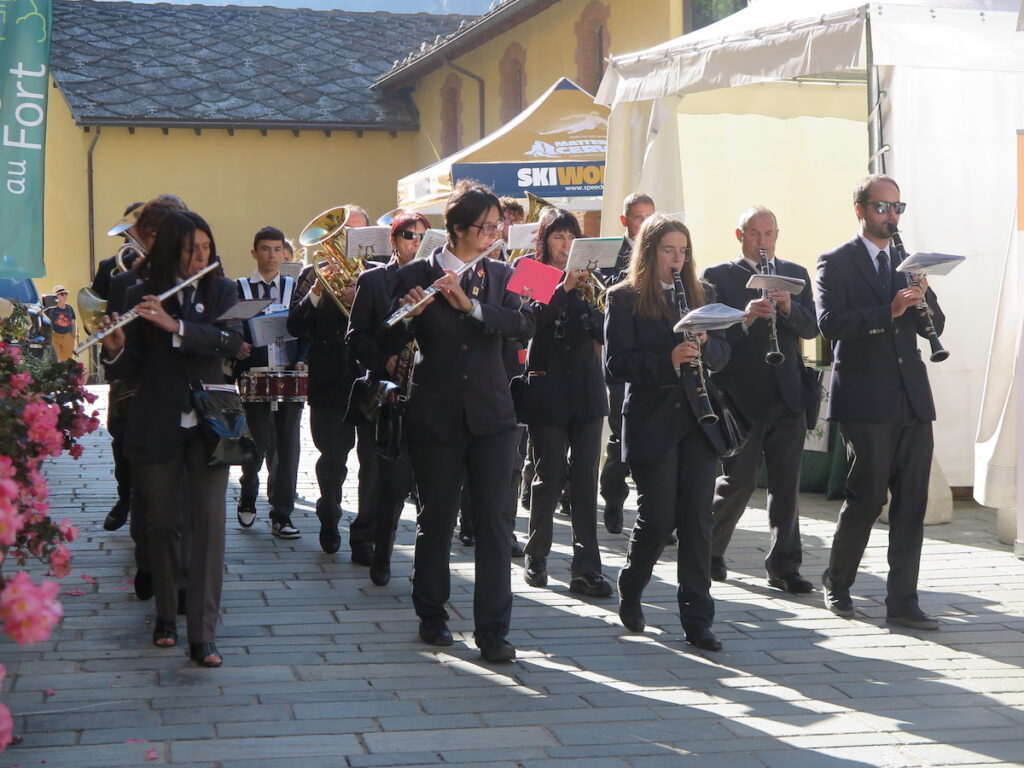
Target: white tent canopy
x=949, y=75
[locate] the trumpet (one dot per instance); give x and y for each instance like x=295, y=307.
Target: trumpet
x=132, y=314
x=403, y=311
x=328, y=232
x=939, y=353
x=707, y=411
x=592, y=289
x=774, y=355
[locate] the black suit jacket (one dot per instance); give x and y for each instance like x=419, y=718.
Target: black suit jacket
x=459, y=383
x=164, y=372
x=874, y=355
x=661, y=405
x=119, y=286
x=566, y=381
x=331, y=367
x=754, y=384
x=102, y=278
x=370, y=309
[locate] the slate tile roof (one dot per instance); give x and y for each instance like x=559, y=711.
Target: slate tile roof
x=139, y=64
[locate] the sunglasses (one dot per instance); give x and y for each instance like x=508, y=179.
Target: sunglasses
x=407, y=235
x=883, y=206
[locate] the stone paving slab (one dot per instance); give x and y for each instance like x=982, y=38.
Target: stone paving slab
x=324, y=669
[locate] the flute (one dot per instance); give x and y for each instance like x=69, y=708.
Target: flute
x=133, y=313
x=402, y=312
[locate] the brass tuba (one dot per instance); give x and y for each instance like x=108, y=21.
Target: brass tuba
x=327, y=232
x=91, y=308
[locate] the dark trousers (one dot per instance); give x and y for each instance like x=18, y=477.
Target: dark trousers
x=393, y=483
x=895, y=455
x=117, y=423
x=334, y=439
x=160, y=484
x=779, y=438
x=518, y=473
x=675, y=493
x=286, y=420
x=486, y=464
x=581, y=440
x=614, y=473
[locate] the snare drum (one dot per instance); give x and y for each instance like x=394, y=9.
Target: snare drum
x=262, y=385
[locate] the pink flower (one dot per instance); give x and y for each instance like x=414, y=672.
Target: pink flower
x=60, y=562
x=29, y=612
x=76, y=451
x=6, y=726
x=18, y=382
x=67, y=530
x=151, y=754
x=6, y=468
x=41, y=419
x=11, y=522
x=90, y=579
x=8, y=489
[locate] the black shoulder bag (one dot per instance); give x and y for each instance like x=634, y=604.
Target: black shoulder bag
x=222, y=424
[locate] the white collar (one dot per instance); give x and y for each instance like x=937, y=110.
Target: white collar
x=874, y=250
x=256, y=277
x=448, y=260
x=756, y=265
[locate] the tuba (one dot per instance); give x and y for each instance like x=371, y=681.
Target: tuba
x=327, y=233
x=92, y=308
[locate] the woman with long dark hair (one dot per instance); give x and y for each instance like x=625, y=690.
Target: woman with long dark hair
x=564, y=406
x=460, y=421
x=173, y=345
x=672, y=457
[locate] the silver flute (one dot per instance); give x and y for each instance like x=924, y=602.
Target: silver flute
x=403, y=311
x=133, y=313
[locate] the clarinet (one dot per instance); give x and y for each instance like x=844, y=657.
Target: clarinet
x=938, y=352
x=774, y=355
x=707, y=412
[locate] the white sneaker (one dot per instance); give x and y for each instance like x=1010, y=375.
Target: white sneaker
x=246, y=516
x=284, y=529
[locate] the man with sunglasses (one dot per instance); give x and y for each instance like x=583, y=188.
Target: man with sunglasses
x=882, y=400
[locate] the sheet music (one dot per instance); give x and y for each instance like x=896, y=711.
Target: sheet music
x=594, y=253
x=368, y=242
x=268, y=329
x=432, y=240
x=291, y=269
x=244, y=310
x=522, y=236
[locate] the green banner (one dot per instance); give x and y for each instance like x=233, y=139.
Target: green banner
x=24, y=81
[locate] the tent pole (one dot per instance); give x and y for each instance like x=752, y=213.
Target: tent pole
x=876, y=159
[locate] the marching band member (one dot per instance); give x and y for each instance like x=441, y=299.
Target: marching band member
x=370, y=308
x=564, y=408
x=882, y=400
x=672, y=457
x=104, y=270
x=266, y=282
x=177, y=343
x=461, y=423
x=332, y=369
x=636, y=208
x=769, y=395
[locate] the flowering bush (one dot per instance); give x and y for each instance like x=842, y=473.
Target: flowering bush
x=42, y=414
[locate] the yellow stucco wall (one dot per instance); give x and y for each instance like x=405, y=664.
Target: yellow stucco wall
x=238, y=183
x=549, y=39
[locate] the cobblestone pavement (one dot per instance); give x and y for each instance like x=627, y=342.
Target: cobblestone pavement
x=324, y=669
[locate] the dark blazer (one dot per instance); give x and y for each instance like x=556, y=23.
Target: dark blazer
x=331, y=366
x=164, y=372
x=260, y=357
x=747, y=376
x=102, y=278
x=661, y=405
x=370, y=309
x=119, y=285
x=566, y=380
x=459, y=383
x=873, y=354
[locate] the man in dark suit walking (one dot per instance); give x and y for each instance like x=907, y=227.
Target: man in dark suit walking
x=882, y=400
x=769, y=395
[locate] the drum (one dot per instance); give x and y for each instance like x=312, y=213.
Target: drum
x=262, y=385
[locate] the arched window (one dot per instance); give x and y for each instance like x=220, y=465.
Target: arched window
x=451, y=115
x=592, y=45
x=512, y=89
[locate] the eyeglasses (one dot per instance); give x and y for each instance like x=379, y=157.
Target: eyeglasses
x=882, y=206
x=407, y=235
x=487, y=229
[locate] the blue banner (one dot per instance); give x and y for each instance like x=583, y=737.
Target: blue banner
x=553, y=179
x=24, y=86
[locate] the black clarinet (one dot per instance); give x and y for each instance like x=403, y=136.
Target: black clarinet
x=707, y=412
x=939, y=353
x=774, y=355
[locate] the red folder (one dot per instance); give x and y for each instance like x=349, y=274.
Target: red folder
x=535, y=280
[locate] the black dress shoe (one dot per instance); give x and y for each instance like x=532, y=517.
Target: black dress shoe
x=330, y=539
x=535, y=572
x=117, y=516
x=143, y=583
x=380, y=575
x=914, y=619
x=467, y=539
x=613, y=518
x=362, y=553
x=205, y=654
x=704, y=638
x=793, y=582
x=591, y=584
x=836, y=600
x=165, y=633
x=495, y=649
x=718, y=570
x=631, y=614
x=517, y=548
x=435, y=632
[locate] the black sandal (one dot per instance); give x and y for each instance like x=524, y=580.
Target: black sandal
x=165, y=629
x=201, y=652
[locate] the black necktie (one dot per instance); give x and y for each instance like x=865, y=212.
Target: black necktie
x=188, y=299
x=472, y=281
x=266, y=290
x=883, y=272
